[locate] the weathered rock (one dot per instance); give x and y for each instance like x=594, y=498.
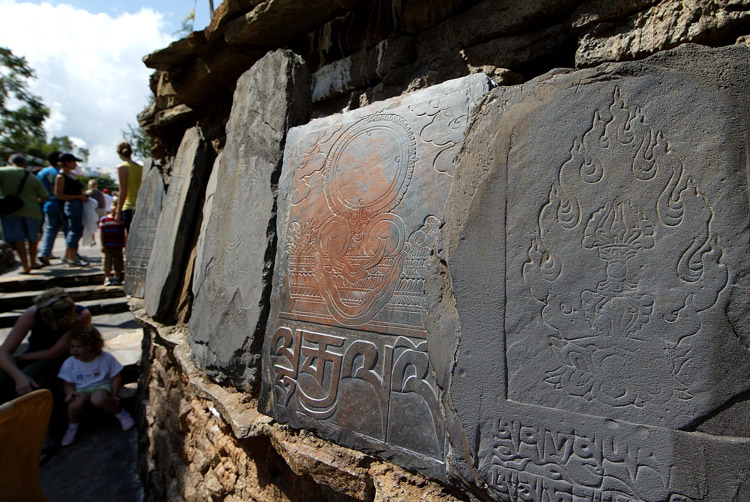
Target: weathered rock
x=175, y=227
x=597, y=254
x=232, y=282
x=521, y=51
x=226, y=11
x=598, y=11
x=274, y=23
x=176, y=53
x=662, y=26
x=207, y=77
x=362, y=69
x=177, y=113
x=143, y=229
x=360, y=210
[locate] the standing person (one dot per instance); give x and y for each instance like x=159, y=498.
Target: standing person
x=107, y=201
x=54, y=219
x=113, y=240
x=98, y=195
x=24, y=224
x=91, y=375
x=129, y=174
x=69, y=190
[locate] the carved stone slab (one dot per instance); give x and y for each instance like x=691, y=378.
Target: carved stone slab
x=232, y=278
x=598, y=252
x=174, y=231
x=360, y=205
x=143, y=229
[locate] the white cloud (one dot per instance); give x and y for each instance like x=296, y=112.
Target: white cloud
x=88, y=67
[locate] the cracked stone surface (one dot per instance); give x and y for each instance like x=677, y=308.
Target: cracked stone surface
x=360, y=211
x=143, y=229
x=232, y=276
x=597, y=253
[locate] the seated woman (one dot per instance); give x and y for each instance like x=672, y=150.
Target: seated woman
x=50, y=320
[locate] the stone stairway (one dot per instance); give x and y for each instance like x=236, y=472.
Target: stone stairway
x=108, y=306
x=101, y=463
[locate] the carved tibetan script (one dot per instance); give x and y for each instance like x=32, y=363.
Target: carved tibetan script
x=362, y=196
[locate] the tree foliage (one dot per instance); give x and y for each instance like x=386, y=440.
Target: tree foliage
x=22, y=114
x=139, y=140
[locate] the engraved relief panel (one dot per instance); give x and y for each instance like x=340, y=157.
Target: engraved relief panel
x=362, y=196
x=606, y=243
x=643, y=230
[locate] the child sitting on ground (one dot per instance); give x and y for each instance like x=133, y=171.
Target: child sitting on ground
x=113, y=240
x=91, y=375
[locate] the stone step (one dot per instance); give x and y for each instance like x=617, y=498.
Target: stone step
x=126, y=347
x=64, y=278
x=97, y=307
x=24, y=299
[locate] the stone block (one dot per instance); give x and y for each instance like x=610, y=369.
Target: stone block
x=360, y=211
x=143, y=229
x=661, y=26
x=232, y=278
x=175, y=227
x=274, y=23
x=599, y=276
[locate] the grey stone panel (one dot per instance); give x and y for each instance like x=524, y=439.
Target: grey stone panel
x=360, y=211
x=232, y=275
x=597, y=252
x=143, y=229
x=174, y=231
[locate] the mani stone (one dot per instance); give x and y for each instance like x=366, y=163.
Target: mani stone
x=174, y=230
x=360, y=211
x=232, y=277
x=597, y=250
x=143, y=229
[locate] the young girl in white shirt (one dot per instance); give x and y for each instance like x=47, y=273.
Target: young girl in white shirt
x=91, y=375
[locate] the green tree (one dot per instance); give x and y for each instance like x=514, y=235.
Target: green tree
x=139, y=140
x=22, y=114
x=41, y=148
x=187, y=25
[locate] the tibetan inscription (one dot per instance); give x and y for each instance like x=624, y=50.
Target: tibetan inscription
x=362, y=196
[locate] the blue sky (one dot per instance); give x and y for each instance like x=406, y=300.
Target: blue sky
x=87, y=55
x=174, y=10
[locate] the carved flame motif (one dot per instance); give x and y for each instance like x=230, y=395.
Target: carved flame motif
x=599, y=330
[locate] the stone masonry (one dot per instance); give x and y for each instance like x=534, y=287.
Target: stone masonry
x=453, y=250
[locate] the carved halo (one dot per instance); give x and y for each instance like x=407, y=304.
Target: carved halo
x=360, y=173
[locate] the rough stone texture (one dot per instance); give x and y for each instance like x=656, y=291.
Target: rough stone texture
x=662, y=26
x=143, y=229
x=178, y=217
x=205, y=442
x=597, y=253
x=232, y=283
x=273, y=23
x=360, y=209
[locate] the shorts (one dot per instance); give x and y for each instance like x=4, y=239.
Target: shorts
x=21, y=228
x=90, y=390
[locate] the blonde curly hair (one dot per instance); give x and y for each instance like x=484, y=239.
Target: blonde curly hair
x=56, y=308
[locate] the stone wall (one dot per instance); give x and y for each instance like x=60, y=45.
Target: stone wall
x=201, y=441
x=429, y=250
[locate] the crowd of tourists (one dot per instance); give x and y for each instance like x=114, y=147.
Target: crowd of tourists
x=53, y=345
x=35, y=207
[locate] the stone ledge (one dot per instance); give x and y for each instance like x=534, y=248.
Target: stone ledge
x=236, y=410
x=348, y=472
